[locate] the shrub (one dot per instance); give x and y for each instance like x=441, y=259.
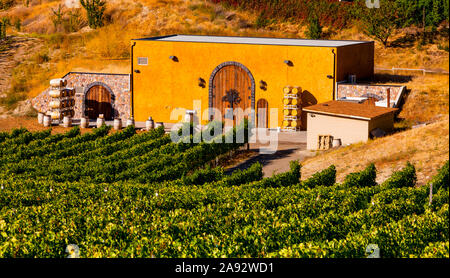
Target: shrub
x=253, y=173
x=436, y=250
x=203, y=176
x=441, y=180
x=326, y=177
x=284, y=179
x=262, y=20
x=404, y=178
x=314, y=28
x=95, y=10
x=364, y=178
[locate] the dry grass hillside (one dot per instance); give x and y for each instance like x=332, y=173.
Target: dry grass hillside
x=425, y=147
x=106, y=49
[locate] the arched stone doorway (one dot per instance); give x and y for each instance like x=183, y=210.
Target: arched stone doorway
x=99, y=99
x=231, y=89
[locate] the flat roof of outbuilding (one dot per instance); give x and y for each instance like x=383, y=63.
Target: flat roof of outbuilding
x=254, y=40
x=349, y=110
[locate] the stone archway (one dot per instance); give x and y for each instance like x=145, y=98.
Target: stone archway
x=99, y=99
x=231, y=86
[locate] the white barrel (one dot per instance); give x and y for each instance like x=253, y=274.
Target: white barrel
x=337, y=143
x=100, y=122
x=158, y=124
x=117, y=124
x=54, y=93
x=130, y=122
x=47, y=121
x=149, y=124
x=40, y=118
x=67, y=121
x=55, y=103
x=84, y=122
x=56, y=115
x=58, y=82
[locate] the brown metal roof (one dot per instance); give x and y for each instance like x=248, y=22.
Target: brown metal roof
x=349, y=109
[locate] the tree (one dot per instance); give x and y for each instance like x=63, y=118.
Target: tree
x=18, y=24
x=95, y=10
x=58, y=15
x=314, y=28
x=4, y=23
x=379, y=23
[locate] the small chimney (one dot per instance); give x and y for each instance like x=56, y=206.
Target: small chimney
x=388, y=97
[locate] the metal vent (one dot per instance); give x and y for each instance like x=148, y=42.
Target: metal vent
x=142, y=61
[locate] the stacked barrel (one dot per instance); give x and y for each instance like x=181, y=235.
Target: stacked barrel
x=291, y=108
x=63, y=101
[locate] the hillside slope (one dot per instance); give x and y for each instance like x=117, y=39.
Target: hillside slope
x=425, y=147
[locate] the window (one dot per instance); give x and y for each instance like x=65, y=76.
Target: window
x=142, y=61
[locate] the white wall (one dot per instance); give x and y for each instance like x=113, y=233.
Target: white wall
x=348, y=130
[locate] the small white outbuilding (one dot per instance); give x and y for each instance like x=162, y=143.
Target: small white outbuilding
x=345, y=123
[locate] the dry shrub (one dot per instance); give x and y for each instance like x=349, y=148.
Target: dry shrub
x=111, y=41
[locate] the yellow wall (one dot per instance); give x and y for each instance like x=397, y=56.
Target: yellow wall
x=164, y=85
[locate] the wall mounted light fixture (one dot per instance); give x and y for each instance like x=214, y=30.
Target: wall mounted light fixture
x=289, y=63
x=137, y=71
x=174, y=58
x=263, y=85
x=201, y=82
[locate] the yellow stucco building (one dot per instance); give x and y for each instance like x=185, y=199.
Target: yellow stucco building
x=184, y=72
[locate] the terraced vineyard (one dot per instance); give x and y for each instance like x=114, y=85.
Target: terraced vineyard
x=141, y=195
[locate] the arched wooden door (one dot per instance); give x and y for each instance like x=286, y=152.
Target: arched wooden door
x=98, y=101
x=262, y=108
x=231, y=94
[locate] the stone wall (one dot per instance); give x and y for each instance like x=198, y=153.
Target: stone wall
x=377, y=91
x=117, y=84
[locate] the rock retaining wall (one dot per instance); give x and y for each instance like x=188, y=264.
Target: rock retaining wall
x=117, y=84
x=364, y=90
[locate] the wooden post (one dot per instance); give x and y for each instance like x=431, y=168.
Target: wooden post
x=431, y=194
x=388, y=98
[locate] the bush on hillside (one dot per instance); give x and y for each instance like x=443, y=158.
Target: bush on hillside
x=404, y=178
x=326, y=177
x=364, y=178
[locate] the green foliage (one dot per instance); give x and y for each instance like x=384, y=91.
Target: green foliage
x=4, y=22
x=95, y=10
x=379, y=23
x=436, y=250
x=253, y=173
x=203, y=176
x=404, y=178
x=314, y=28
x=141, y=195
x=18, y=25
x=6, y=4
x=362, y=179
x=284, y=179
x=326, y=177
x=262, y=20
x=441, y=180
